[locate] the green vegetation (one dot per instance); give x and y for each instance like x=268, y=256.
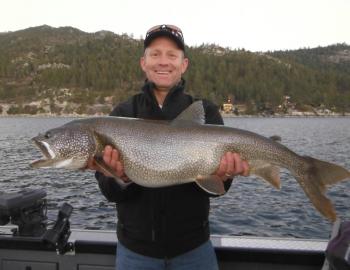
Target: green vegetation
x=58, y=66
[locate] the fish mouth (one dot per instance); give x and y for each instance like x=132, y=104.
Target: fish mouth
x=44, y=148
x=48, y=154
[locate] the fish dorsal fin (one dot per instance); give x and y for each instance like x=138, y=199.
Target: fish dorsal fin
x=193, y=115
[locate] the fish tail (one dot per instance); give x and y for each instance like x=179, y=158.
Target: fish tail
x=315, y=178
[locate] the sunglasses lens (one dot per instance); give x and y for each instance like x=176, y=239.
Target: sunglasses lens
x=167, y=27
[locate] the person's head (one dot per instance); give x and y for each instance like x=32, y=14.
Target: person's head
x=164, y=59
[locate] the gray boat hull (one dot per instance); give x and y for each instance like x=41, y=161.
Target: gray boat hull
x=96, y=250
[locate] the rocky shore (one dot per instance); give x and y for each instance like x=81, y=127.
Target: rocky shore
x=279, y=115
x=104, y=109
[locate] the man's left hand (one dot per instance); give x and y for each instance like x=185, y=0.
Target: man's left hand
x=232, y=165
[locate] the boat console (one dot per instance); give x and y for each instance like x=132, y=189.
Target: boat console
x=26, y=211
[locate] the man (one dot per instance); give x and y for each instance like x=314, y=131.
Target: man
x=163, y=228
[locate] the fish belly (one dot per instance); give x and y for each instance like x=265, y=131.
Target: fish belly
x=169, y=163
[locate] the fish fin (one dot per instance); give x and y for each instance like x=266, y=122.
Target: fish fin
x=211, y=184
x=275, y=138
x=314, y=180
x=104, y=168
x=268, y=172
x=101, y=140
x=193, y=115
x=328, y=173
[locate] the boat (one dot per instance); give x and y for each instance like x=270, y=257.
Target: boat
x=96, y=250
x=27, y=244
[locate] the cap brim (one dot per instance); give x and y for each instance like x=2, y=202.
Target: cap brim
x=157, y=34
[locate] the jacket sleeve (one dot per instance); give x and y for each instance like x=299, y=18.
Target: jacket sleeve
x=213, y=116
x=113, y=191
x=108, y=186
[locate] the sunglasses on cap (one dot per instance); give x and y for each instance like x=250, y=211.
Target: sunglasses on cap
x=176, y=31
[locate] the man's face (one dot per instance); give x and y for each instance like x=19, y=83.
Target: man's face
x=163, y=63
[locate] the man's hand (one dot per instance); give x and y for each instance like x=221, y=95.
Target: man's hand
x=231, y=165
x=111, y=157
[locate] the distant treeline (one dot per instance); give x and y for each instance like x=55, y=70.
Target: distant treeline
x=66, y=64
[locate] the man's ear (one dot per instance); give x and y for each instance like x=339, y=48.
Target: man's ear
x=185, y=63
x=142, y=63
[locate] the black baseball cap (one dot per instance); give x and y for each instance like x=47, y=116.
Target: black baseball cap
x=166, y=30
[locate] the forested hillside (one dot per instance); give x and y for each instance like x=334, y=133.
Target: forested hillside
x=65, y=70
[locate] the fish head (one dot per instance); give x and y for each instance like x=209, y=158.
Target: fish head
x=67, y=147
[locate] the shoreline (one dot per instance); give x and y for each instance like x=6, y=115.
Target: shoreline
x=286, y=116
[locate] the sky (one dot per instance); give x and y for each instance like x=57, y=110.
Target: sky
x=255, y=25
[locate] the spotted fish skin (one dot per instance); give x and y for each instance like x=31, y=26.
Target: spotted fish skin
x=158, y=153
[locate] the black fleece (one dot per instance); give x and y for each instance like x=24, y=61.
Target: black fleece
x=168, y=221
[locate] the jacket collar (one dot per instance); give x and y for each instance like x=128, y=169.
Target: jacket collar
x=148, y=89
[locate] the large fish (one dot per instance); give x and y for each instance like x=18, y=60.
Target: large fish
x=158, y=153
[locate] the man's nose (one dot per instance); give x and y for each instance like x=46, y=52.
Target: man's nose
x=163, y=60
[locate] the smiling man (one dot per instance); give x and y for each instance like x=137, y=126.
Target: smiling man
x=167, y=227
x=164, y=60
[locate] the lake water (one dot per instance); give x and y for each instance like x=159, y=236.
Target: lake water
x=251, y=207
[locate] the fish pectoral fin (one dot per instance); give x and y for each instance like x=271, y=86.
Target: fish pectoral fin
x=211, y=184
x=102, y=140
x=105, y=169
x=267, y=171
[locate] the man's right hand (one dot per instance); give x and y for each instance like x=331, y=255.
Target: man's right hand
x=111, y=157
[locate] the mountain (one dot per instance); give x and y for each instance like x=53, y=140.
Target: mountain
x=65, y=70
x=333, y=57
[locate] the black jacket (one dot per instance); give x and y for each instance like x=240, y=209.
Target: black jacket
x=168, y=221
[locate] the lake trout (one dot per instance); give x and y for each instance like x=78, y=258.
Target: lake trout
x=160, y=153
